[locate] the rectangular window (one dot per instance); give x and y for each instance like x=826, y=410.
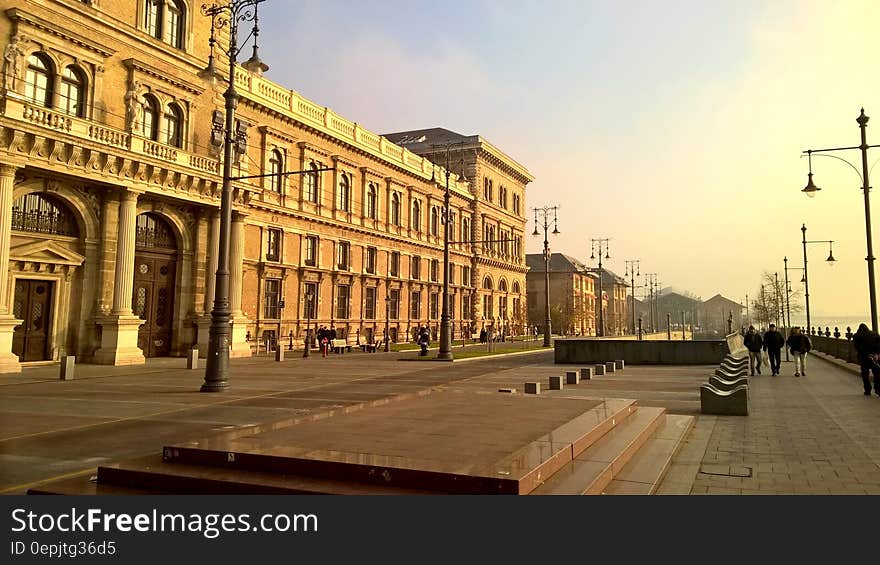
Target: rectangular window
x=465, y=276
x=311, y=258
x=451, y=273
x=271, y=296
x=415, y=306
x=434, y=268
x=394, y=264
x=487, y=306
x=310, y=300
x=415, y=271
x=370, y=266
x=343, y=249
x=465, y=306
x=394, y=304
x=343, y=296
x=435, y=306
x=273, y=244
x=370, y=303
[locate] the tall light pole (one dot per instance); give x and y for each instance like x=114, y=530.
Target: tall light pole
x=219, y=335
x=650, y=281
x=811, y=189
x=545, y=212
x=778, y=298
x=308, y=341
x=387, y=318
x=830, y=262
x=599, y=244
x=632, y=268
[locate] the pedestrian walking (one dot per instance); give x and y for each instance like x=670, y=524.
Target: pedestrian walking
x=774, y=341
x=867, y=344
x=753, y=343
x=424, y=341
x=483, y=335
x=799, y=345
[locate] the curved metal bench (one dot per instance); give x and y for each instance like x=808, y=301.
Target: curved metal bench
x=724, y=384
x=730, y=375
x=733, y=402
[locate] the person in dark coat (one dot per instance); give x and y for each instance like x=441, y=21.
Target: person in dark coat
x=799, y=344
x=483, y=335
x=753, y=342
x=867, y=344
x=774, y=341
x=424, y=340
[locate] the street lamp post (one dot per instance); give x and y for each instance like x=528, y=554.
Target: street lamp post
x=545, y=212
x=830, y=262
x=632, y=266
x=599, y=244
x=307, y=343
x=387, y=319
x=219, y=336
x=811, y=189
x=650, y=282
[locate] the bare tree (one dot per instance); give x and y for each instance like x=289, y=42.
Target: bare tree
x=771, y=304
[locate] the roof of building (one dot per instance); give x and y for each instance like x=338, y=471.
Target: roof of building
x=424, y=142
x=722, y=300
x=559, y=263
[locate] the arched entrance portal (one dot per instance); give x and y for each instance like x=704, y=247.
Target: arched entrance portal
x=155, y=263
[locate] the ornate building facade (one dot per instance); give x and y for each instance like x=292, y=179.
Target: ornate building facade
x=110, y=180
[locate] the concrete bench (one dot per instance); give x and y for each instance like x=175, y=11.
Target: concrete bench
x=724, y=384
x=369, y=347
x=556, y=382
x=738, y=364
x=339, y=346
x=572, y=378
x=618, y=364
x=532, y=388
x=729, y=375
x=733, y=402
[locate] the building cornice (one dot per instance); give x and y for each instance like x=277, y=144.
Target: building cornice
x=156, y=73
x=18, y=15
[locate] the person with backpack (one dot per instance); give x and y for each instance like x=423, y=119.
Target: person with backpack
x=753, y=342
x=867, y=344
x=774, y=341
x=799, y=345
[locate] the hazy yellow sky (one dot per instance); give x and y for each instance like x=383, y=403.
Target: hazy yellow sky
x=675, y=129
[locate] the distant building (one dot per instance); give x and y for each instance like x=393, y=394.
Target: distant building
x=714, y=313
x=616, y=312
x=572, y=294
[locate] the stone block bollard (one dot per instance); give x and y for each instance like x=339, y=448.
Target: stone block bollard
x=587, y=373
x=618, y=364
x=507, y=390
x=279, y=354
x=572, y=378
x=600, y=370
x=192, y=358
x=68, y=364
x=532, y=388
x=609, y=367
x=556, y=382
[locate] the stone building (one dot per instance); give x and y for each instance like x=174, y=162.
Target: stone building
x=616, y=312
x=110, y=182
x=573, y=290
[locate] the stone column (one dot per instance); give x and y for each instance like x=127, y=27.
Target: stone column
x=210, y=280
x=8, y=360
x=240, y=346
x=119, y=333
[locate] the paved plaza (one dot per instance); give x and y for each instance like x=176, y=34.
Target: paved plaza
x=815, y=434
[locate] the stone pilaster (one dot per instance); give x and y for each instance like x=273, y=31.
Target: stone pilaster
x=8, y=360
x=119, y=330
x=240, y=346
x=210, y=280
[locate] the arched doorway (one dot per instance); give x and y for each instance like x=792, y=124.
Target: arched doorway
x=155, y=263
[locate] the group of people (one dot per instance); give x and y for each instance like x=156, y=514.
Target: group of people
x=325, y=337
x=772, y=342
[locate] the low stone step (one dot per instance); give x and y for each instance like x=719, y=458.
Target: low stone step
x=592, y=470
x=643, y=473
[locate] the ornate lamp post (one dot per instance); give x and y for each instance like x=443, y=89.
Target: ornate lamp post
x=811, y=189
x=545, y=212
x=387, y=319
x=632, y=269
x=231, y=13
x=310, y=296
x=651, y=283
x=830, y=262
x=600, y=243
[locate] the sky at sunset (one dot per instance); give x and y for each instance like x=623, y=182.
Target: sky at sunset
x=673, y=128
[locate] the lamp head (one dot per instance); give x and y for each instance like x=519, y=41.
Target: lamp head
x=831, y=260
x=593, y=256
x=536, y=230
x=803, y=278
x=811, y=189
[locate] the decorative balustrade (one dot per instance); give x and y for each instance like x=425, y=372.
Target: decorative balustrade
x=47, y=118
x=160, y=151
x=109, y=136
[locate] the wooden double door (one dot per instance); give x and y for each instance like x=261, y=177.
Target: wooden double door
x=153, y=301
x=33, y=305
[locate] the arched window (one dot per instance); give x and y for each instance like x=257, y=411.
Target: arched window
x=173, y=123
x=435, y=221
x=152, y=230
x=276, y=167
x=487, y=283
x=153, y=17
x=416, y=216
x=151, y=118
x=312, y=183
x=37, y=213
x=372, y=195
x=38, y=80
x=516, y=287
x=174, y=18
x=72, y=93
x=395, y=209
x=344, y=195
x=502, y=285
